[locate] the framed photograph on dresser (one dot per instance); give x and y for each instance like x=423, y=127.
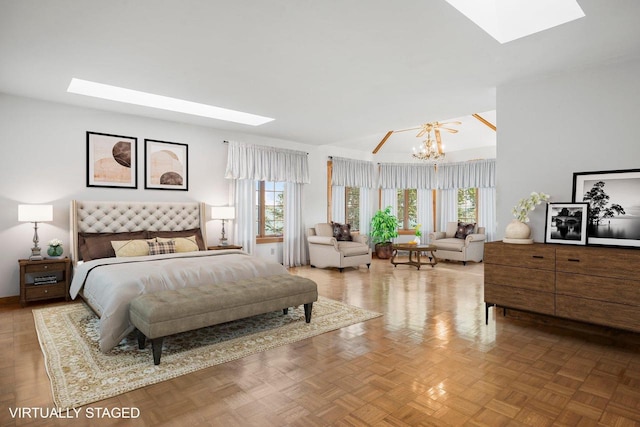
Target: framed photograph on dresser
x=111, y=160
x=166, y=165
x=566, y=223
x=614, y=206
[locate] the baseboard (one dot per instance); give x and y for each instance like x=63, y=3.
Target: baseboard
x=9, y=300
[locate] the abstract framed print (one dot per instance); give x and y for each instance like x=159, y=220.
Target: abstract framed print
x=166, y=165
x=111, y=160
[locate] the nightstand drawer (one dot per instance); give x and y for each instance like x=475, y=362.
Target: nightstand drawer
x=45, y=267
x=45, y=291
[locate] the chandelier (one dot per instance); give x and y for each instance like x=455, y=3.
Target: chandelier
x=428, y=151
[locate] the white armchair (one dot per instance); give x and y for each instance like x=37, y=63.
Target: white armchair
x=326, y=251
x=467, y=248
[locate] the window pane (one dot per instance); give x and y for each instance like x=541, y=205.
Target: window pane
x=467, y=205
x=270, y=209
x=352, y=214
x=412, y=208
x=400, y=211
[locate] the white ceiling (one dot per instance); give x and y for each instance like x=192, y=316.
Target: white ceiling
x=330, y=72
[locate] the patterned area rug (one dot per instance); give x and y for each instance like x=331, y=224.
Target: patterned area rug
x=81, y=374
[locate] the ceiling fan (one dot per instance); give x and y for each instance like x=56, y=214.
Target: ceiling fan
x=425, y=129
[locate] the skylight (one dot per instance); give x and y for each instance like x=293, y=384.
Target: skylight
x=507, y=20
x=129, y=96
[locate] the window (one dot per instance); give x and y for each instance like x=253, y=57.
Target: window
x=407, y=209
x=468, y=205
x=269, y=209
x=352, y=207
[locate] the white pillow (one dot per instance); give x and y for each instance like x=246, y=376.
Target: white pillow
x=129, y=248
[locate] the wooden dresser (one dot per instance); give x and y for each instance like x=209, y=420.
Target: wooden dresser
x=589, y=284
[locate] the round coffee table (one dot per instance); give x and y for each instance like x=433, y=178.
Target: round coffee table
x=417, y=249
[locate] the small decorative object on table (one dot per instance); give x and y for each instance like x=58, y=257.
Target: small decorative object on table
x=518, y=231
x=416, y=240
x=55, y=248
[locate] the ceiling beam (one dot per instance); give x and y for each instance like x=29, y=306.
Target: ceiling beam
x=485, y=121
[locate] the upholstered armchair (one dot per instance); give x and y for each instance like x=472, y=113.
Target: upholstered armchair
x=460, y=242
x=325, y=250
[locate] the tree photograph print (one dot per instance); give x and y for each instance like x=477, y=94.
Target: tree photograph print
x=614, y=205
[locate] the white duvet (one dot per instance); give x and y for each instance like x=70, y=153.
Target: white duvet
x=109, y=284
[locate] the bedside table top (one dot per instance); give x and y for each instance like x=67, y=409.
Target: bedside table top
x=44, y=260
x=221, y=247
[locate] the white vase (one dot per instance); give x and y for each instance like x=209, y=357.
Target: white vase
x=517, y=232
x=417, y=240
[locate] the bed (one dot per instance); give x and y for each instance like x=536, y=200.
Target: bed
x=111, y=267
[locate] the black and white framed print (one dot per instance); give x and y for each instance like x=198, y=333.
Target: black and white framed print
x=111, y=160
x=566, y=223
x=614, y=205
x=166, y=165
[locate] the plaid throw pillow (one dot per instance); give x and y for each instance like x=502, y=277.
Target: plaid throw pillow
x=157, y=248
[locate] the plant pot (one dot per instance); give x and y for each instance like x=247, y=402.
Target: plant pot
x=55, y=251
x=384, y=250
x=517, y=232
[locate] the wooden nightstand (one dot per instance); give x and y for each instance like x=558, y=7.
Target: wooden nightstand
x=220, y=247
x=46, y=279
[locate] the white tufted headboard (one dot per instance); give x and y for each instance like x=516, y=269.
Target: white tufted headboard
x=118, y=217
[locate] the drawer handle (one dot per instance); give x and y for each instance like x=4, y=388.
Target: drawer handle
x=45, y=266
x=46, y=291
x=537, y=256
x=573, y=259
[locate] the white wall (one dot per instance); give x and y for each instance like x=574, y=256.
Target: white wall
x=43, y=158
x=575, y=121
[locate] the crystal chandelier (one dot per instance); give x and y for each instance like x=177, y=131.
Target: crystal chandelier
x=428, y=151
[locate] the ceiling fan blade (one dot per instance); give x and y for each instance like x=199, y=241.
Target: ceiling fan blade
x=382, y=142
x=450, y=130
x=439, y=124
x=438, y=140
x=485, y=121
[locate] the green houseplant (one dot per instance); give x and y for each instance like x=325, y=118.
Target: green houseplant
x=384, y=227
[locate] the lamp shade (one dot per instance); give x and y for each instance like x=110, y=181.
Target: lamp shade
x=223, y=212
x=35, y=213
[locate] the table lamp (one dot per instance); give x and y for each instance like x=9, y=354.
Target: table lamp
x=223, y=213
x=35, y=214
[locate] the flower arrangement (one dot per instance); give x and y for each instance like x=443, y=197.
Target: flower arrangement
x=418, y=232
x=55, y=248
x=524, y=206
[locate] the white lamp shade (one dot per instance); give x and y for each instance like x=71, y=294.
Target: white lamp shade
x=223, y=212
x=35, y=213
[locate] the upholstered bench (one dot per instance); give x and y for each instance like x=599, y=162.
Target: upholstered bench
x=159, y=314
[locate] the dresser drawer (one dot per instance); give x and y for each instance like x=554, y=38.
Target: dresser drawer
x=45, y=291
x=538, y=256
x=604, y=313
x=519, y=277
x=523, y=299
x=602, y=262
x=620, y=291
x=45, y=267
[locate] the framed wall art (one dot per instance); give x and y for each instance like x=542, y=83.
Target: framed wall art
x=614, y=205
x=111, y=160
x=566, y=223
x=166, y=165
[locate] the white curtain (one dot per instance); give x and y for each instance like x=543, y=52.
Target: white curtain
x=352, y=173
x=407, y=175
x=365, y=211
x=244, y=191
x=338, y=208
x=389, y=198
x=487, y=211
x=425, y=211
x=448, y=207
x=473, y=174
x=262, y=163
x=295, y=251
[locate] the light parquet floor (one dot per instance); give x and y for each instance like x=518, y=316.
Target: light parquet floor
x=429, y=361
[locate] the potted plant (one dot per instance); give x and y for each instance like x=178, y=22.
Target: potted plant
x=384, y=227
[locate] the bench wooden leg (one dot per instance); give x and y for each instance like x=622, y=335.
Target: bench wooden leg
x=307, y=312
x=156, y=345
x=141, y=340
